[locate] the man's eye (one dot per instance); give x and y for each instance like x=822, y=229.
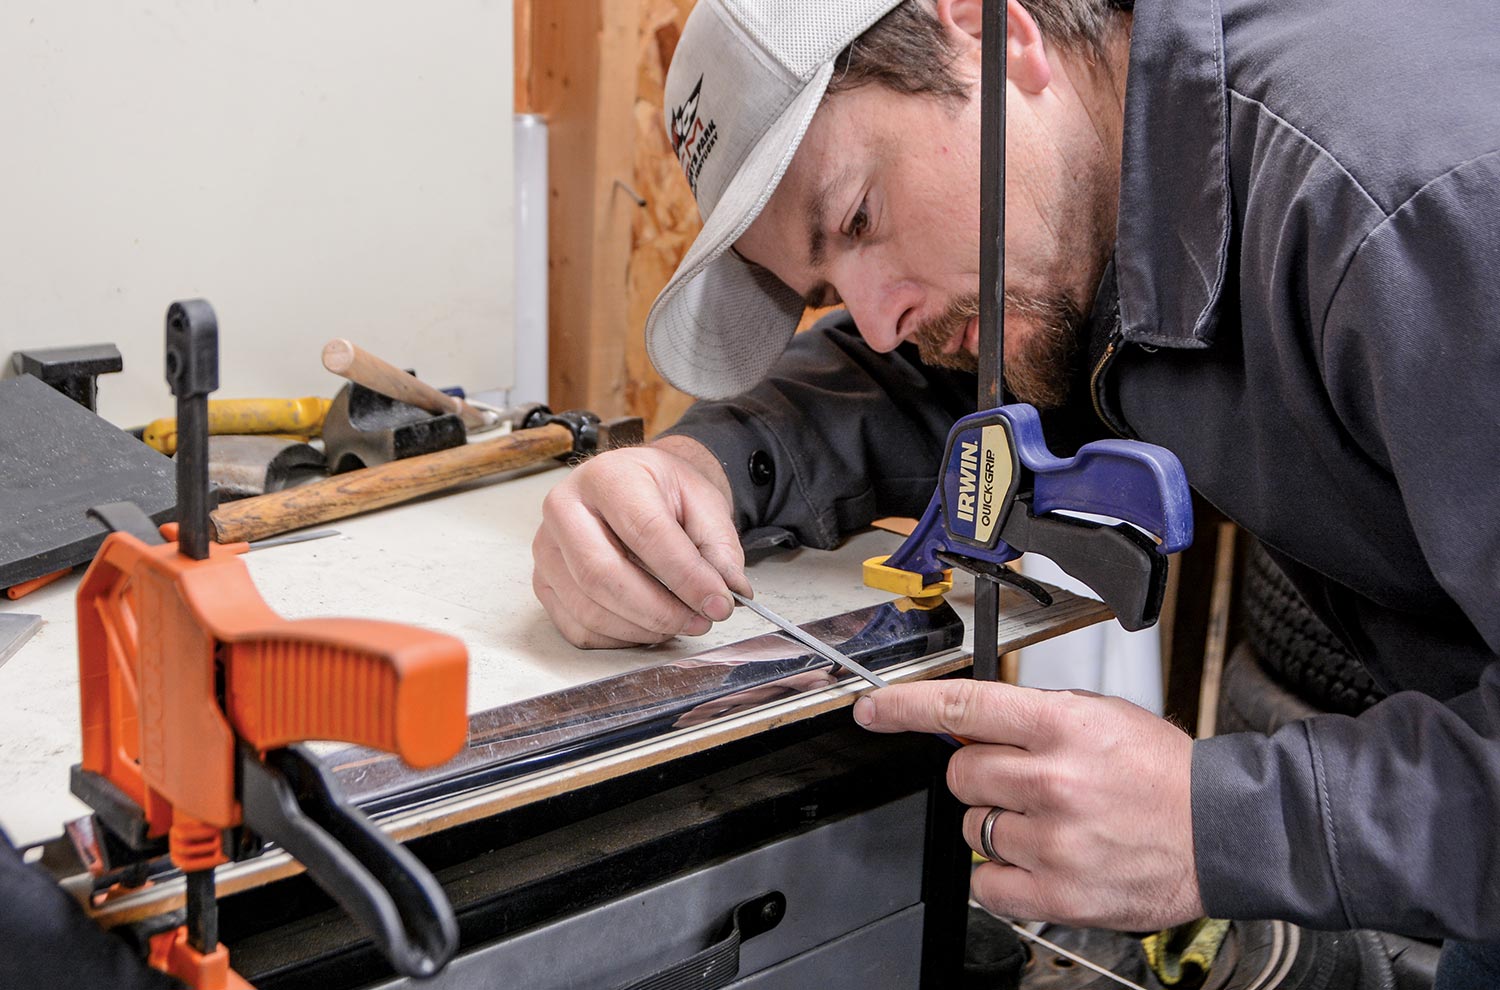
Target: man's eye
x=859, y=224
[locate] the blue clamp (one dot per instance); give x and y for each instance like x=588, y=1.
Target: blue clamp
x=1001, y=495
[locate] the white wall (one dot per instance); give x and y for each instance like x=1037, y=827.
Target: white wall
x=314, y=168
x=1103, y=658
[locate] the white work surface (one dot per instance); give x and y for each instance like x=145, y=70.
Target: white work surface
x=459, y=563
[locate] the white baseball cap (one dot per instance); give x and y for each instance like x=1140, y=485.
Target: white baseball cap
x=745, y=81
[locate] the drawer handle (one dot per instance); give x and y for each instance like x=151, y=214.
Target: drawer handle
x=718, y=964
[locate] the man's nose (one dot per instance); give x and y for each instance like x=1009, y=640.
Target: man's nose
x=883, y=307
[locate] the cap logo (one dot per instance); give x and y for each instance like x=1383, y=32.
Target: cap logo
x=692, y=138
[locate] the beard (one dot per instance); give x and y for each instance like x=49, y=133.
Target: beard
x=1038, y=366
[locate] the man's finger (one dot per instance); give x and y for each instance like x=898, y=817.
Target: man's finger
x=590, y=624
x=1012, y=836
x=979, y=711
x=573, y=607
x=712, y=531
x=571, y=629
x=651, y=530
x=598, y=565
x=985, y=774
x=1011, y=892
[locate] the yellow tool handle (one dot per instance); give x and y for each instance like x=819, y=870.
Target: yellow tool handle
x=298, y=417
x=354, y=492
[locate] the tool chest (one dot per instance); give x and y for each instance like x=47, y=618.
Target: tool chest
x=841, y=849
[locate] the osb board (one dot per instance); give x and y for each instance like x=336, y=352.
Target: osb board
x=522, y=38
x=596, y=69
x=665, y=227
x=577, y=59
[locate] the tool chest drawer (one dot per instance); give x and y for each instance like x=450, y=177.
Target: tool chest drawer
x=884, y=956
x=838, y=878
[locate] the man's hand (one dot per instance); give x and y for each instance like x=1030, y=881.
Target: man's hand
x=624, y=516
x=1098, y=829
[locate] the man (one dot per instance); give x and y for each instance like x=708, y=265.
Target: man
x=1263, y=234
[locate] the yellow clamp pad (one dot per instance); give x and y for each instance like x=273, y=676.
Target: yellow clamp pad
x=899, y=582
x=904, y=605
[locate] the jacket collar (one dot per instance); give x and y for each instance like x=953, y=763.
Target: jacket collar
x=1172, y=244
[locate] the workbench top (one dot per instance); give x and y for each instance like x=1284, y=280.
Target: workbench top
x=459, y=563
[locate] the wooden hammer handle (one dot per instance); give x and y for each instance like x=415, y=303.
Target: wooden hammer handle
x=354, y=492
x=343, y=358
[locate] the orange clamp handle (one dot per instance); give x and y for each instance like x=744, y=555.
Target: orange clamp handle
x=391, y=687
x=160, y=632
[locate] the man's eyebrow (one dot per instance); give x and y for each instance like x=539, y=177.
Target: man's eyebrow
x=817, y=214
x=820, y=296
x=817, y=239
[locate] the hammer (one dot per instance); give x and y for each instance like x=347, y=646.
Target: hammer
x=360, y=366
x=541, y=434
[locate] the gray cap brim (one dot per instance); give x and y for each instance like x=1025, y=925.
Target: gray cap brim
x=721, y=323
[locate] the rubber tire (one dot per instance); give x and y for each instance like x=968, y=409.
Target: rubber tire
x=1250, y=701
x=1295, y=646
x=1256, y=955
x=1277, y=955
x=993, y=954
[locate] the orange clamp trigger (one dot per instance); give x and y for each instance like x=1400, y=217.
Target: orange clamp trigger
x=171, y=953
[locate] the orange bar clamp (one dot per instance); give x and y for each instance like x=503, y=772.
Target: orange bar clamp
x=185, y=673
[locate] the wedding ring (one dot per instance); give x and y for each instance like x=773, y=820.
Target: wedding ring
x=986, y=837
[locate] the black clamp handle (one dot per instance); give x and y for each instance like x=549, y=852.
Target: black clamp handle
x=294, y=802
x=1118, y=562
x=718, y=965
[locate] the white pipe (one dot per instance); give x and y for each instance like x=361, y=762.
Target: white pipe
x=530, y=385
x=1103, y=658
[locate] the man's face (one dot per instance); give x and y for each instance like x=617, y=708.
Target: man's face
x=879, y=210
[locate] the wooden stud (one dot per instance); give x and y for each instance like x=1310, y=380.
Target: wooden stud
x=581, y=57
x=1216, y=644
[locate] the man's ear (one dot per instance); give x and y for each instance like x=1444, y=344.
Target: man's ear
x=965, y=15
x=1026, y=62
x=1026, y=54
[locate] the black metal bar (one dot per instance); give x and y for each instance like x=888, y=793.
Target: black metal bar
x=192, y=372
x=945, y=882
x=992, y=206
x=991, y=289
x=986, y=629
x=202, y=911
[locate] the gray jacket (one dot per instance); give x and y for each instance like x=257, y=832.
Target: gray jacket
x=1308, y=273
